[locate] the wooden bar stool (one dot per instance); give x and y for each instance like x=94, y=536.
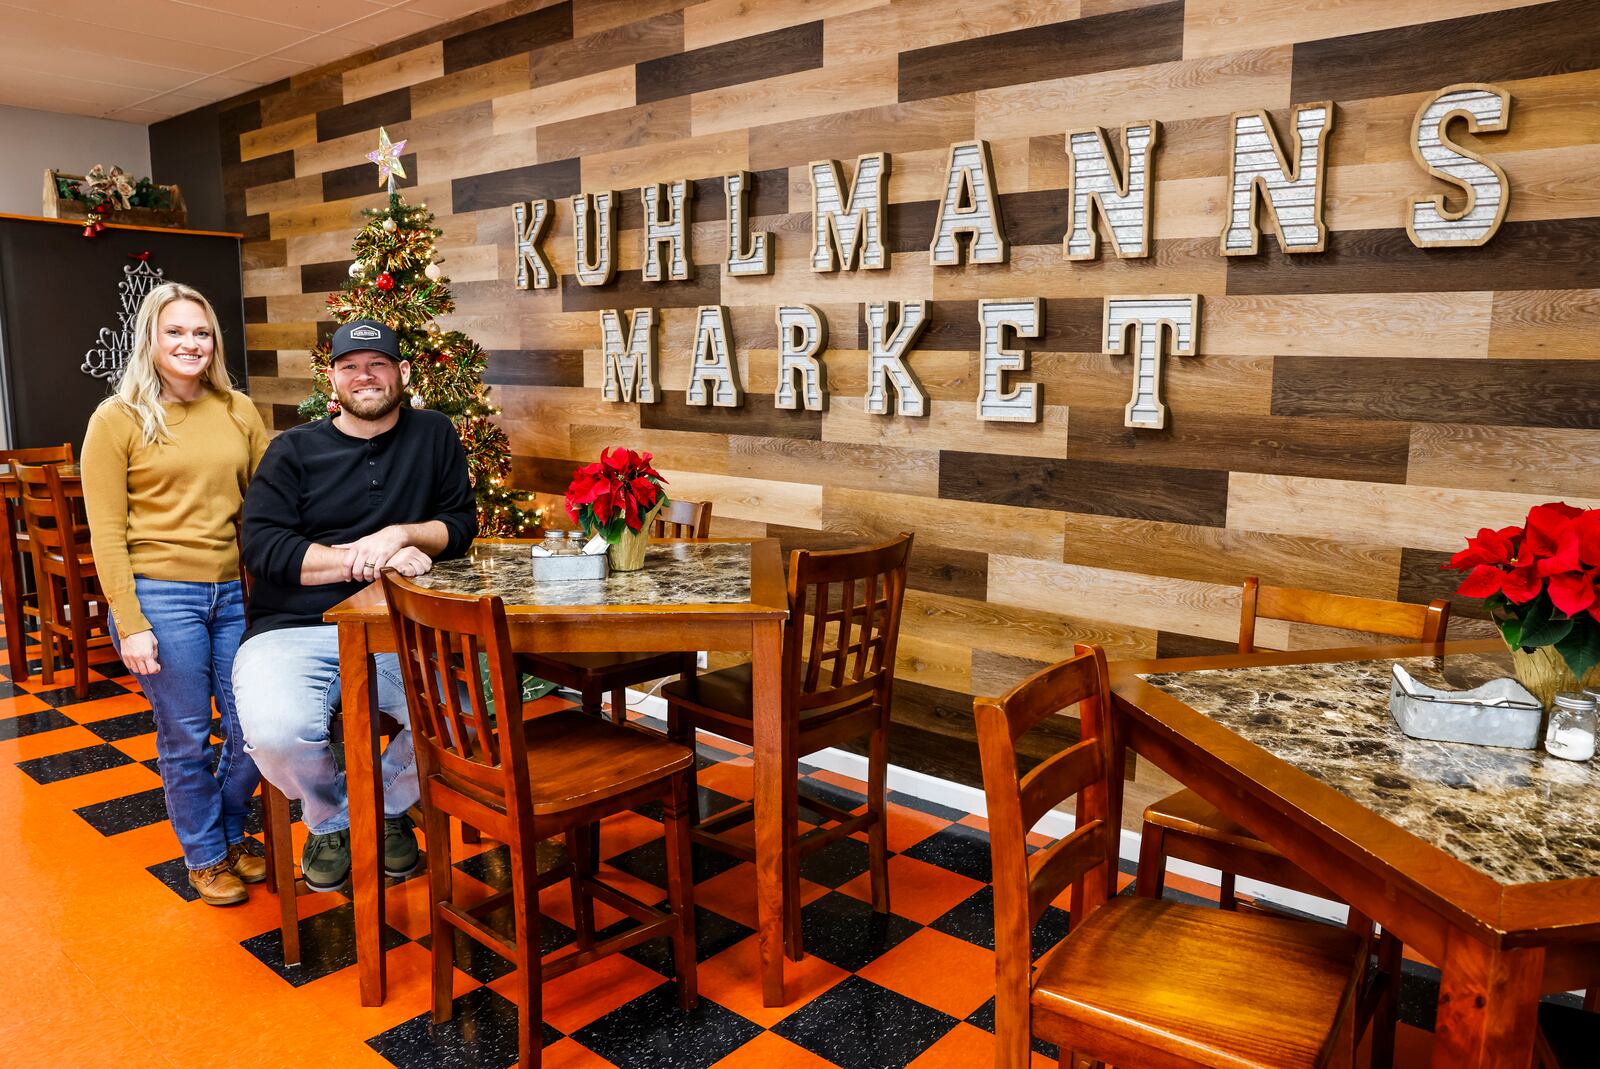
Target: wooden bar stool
x=71, y=604
x=1138, y=981
x=17, y=601
x=838, y=672
x=1184, y=825
x=524, y=782
x=595, y=674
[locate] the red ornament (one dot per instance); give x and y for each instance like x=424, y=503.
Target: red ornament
x=333, y=408
x=385, y=282
x=92, y=228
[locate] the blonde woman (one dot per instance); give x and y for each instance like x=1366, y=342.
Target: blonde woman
x=165, y=463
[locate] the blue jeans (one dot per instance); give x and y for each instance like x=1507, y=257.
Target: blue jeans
x=197, y=628
x=288, y=687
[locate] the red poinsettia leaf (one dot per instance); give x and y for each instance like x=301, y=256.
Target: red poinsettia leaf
x=1490, y=547
x=1565, y=557
x=1573, y=592
x=1483, y=581
x=1522, y=584
x=1545, y=523
x=1588, y=528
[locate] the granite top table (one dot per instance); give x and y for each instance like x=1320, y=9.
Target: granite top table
x=1520, y=816
x=1486, y=860
x=704, y=594
x=674, y=573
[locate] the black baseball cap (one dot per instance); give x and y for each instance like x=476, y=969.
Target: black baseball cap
x=364, y=335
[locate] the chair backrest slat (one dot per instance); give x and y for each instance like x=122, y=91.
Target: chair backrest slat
x=1395, y=619
x=683, y=519
x=844, y=622
x=1084, y=771
x=1067, y=861
x=57, y=530
x=1060, y=776
x=441, y=638
x=1085, y=860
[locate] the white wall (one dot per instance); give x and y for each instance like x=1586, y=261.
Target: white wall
x=30, y=141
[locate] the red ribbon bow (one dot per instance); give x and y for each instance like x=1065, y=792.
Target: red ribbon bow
x=142, y=257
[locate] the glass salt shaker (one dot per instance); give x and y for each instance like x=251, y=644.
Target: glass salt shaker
x=1572, y=724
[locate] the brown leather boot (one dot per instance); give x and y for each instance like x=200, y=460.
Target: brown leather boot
x=247, y=866
x=217, y=885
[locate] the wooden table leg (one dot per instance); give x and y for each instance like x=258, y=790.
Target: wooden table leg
x=365, y=790
x=1488, y=1005
x=769, y=775
x=11, y=594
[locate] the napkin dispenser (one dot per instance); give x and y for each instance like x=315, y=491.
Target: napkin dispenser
x=568, y=562
x=1499, y=713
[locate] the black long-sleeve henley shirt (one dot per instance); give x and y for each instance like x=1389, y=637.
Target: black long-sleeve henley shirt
x=318, y=484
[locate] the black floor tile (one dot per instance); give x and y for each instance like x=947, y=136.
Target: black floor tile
x=483, y=964
x=327, y=944
x=15, y=727
x=837, y=797
x=651, y=1032
x=98, y=689
x=983, y=1017
x=922, y=805
x=127, y=813
x=481, y=1034
x=62, y=766
x=175, y=874
x=837, y=863
x=116, y=728
x=858, y=1025
x=711, y=803
x=973, y=920
x=958, y=848
x=1419, y=994
x=713, y=933
x=648, y=862
x=491, y=866
x=844, y=931
x=9, y=689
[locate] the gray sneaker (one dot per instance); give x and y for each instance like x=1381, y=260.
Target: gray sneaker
x=325, y=861
x=400, y=855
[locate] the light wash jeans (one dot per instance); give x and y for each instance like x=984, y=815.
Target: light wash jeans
x=287, y=683
x=197, y=628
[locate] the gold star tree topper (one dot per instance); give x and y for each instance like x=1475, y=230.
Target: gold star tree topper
x=387, y=157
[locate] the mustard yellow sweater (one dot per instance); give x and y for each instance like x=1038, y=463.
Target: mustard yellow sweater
x=168, y=510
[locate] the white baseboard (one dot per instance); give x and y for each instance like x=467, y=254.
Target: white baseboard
x=1055, y=824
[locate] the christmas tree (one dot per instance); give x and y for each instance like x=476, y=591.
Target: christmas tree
x=396, y=279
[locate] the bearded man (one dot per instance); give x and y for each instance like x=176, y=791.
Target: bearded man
x=380, y=485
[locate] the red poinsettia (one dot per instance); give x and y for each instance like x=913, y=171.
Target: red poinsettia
x=1539, y=581
x=615, y=494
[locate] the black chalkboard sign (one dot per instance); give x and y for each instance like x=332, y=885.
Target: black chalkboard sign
x=66, y=314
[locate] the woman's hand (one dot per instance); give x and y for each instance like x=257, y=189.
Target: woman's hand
x=139, y=653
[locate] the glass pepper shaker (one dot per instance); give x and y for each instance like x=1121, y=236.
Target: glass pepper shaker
x=1571, y=730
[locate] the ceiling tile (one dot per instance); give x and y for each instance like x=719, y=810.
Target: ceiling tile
x=391, y=25
x=321, y=49
x=180, y=24
x=318, y=16
x=268, y=69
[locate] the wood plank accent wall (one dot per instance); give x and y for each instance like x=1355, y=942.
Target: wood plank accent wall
x=1353, y=413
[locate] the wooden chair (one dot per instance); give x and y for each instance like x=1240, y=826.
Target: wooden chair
x=838, y=671
x=14, y=543
x=523, y=782
x=1186, y=826
x=71, y=604
x=595, y=674
x=1138, y=981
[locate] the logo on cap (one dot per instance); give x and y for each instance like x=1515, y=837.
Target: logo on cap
x=365, y=333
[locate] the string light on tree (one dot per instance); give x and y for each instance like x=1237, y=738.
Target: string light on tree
x=396, y=279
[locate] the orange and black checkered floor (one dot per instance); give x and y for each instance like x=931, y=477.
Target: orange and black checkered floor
x=108, y=959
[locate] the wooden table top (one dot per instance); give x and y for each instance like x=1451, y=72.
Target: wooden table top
x=726, y=578
x=1509, y=840
x=1520, y=816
